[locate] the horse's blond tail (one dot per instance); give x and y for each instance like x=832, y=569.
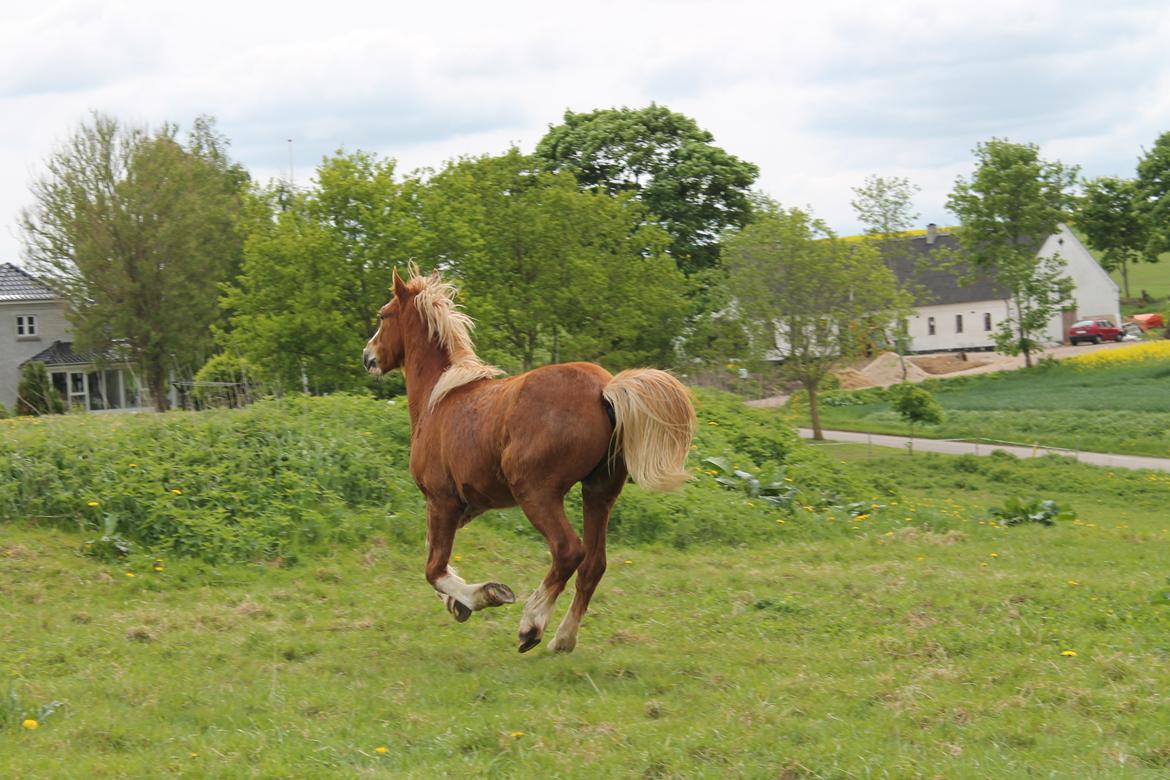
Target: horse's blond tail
x=653, y=428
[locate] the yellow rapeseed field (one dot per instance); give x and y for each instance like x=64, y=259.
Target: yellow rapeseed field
x=1138, y=353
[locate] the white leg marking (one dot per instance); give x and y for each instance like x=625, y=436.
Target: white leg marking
x=566, y=638
x=471, y=595
x=537, y=610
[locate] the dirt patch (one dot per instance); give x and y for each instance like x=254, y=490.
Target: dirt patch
x=852, y=379
x=947, y=364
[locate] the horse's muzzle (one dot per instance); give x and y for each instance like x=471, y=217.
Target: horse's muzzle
x=370, y=361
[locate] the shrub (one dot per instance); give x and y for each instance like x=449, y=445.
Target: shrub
x=35, y=395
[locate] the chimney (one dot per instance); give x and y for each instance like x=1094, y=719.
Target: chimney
x=931, y=233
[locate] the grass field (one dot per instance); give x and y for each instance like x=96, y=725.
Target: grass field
x=913, y=639
x=1111, y=407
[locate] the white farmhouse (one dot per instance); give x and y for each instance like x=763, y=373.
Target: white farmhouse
x=951, y=315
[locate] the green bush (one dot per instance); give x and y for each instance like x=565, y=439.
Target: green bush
x=241, y=484
x=35, y=395
x=282, y=476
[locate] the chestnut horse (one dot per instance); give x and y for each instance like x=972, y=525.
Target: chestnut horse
x=480, y=443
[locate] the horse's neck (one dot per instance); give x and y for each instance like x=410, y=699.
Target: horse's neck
x=425, y=362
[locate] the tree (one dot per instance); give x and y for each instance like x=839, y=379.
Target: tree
x=551, y=272
x=885, y=206
x=811, y=299
x=316, y=268
x=694, y=189
x=916, y=406
x=1012, y=203
x=136, y=231
x=1153, y=196
x=1108, y=213
x=35, y=395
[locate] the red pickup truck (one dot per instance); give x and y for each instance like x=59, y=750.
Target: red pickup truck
x=1094, y=332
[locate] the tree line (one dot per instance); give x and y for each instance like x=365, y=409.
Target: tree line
x=626, y=237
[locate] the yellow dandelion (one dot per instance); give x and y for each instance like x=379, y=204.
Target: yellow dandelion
x=1073, y=583
x=1069, y=653
x=862, y=518
x=30, y=724
x=628, y=562
x=920, y=558
x=712, y=422
x=129, y=574
x=380, y=749
x=158, y=566
x=176, y=491
x=780, y=520
x=995, y=555
x=91, y=503
x=517, y=734
x=132, y=466
x=458, y=558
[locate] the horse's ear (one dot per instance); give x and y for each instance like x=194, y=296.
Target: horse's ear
x=399, y=288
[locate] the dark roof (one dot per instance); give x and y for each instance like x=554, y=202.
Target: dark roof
x=16, y=284
x=60, y=353
x=937, y=273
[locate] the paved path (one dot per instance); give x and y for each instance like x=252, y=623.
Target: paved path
x=951, y=447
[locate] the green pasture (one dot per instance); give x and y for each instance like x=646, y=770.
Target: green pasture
x=1122, y=408
x=885, y=629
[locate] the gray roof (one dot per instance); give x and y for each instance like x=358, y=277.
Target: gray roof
x=60, y=353
x=938, y=273
x=16, y=284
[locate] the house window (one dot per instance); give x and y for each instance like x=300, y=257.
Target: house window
x=958, y=323
x=26, y=326
x=987, y=320
x=930, y=326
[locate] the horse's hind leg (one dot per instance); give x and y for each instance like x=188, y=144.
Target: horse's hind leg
x=547, y=513
x=461, y=598
x=598, y=493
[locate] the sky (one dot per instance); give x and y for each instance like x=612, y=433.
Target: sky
x=818, y=94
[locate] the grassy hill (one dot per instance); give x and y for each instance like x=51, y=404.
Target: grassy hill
x=878, y=625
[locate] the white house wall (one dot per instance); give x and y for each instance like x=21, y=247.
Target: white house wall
x=975, y=334
x=1095, y=294
x=14, y=350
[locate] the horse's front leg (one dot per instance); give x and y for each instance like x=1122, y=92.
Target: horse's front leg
x=461, y=598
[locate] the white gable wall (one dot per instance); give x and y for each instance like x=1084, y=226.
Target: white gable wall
x=1095, y=294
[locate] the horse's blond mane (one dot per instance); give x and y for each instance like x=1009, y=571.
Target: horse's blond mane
x=451, y=328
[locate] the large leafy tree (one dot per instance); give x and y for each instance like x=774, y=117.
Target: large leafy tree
x=136, y=229
x=693, y=188
x=316, y=268
x=551, y=272
x=1108, y=213
x=1153, y=196
x=1011, y=203
x=811, y=299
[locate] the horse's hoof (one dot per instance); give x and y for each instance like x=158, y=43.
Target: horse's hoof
x=495, y=594
x=529, y=640
x=460, y=612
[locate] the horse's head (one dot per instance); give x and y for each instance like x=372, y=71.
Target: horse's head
x=385, y=350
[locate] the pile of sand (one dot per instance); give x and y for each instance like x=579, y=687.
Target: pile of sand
x=886, y=369
x=852, y=379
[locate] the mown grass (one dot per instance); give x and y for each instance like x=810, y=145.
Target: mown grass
x=1121, y=408
x=877, y=648
x=907, y=638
